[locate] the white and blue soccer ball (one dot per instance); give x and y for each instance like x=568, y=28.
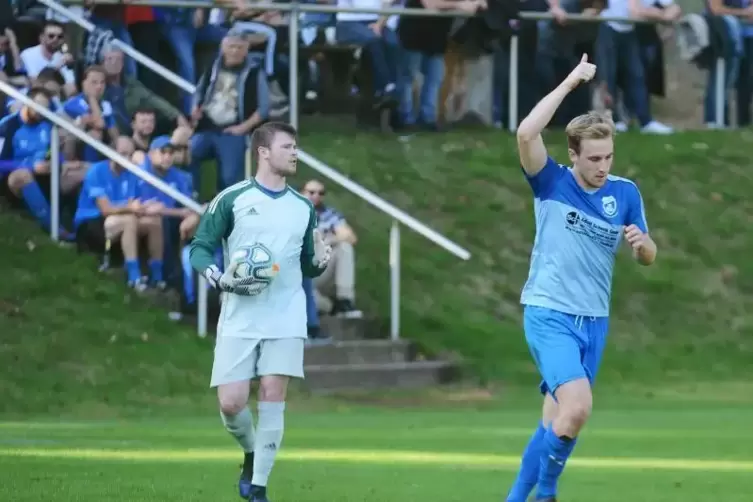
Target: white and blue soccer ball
x=256, y=261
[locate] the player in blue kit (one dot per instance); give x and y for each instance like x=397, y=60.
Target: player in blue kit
x=582, y=214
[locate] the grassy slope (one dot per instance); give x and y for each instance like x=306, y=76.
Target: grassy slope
x=67, y=337
x=691, y=314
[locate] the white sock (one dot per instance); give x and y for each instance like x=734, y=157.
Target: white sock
x=268, y=440
x=241, y=427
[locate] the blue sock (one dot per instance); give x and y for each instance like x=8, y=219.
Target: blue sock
x=133, y=269
x=555, y=453
x=155, y=270
x=188, y=285
x=37, y=203
x=528, y=474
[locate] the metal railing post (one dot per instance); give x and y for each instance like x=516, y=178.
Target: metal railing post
x=395, y=280
x=512, y=106
x=55, y=184
x=202, y=307
x=293, y=61
x=721, y=93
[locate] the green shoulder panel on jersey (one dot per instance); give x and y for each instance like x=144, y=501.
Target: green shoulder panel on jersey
x=215, y=225
x=307, y=251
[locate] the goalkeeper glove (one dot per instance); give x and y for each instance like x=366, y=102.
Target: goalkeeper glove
x=222, y=281
x=322, y=251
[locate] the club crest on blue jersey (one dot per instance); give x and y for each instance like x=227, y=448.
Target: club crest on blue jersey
x=609, y=205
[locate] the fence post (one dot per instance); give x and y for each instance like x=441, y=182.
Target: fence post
x=293, y=56
x=395, y=280
x=55, y=183
x=512, y=107
x=721, y=93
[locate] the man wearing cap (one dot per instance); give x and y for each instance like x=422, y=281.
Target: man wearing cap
x=231, y=100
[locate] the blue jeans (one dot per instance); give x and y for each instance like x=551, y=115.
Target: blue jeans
x=431, y=67
x=738, y=76
x=618, y=53
x=312, y=314
x=119, y=31
x=230, y=151
x=182, y=40
x=384, y=50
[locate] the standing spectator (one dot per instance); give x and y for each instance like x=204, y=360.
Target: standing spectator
x=424, y=41
x=340, y=276
x=109, y=210
x=182, y=28
x=738, y=67
x=112, y=18
x=91, y=112
x=48, y=54
x=25, y=137
x=618, y=53
x=232, y=98
x=127, y=95
x=369, y=31
x=11, y=69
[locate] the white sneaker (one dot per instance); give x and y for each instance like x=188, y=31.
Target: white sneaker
x=655, y=127
x=620, y=126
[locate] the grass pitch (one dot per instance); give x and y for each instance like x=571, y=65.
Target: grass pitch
x=641, y=450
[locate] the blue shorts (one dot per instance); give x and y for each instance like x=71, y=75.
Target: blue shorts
x=565, y=347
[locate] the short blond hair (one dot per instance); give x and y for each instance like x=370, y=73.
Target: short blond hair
x=591, y=125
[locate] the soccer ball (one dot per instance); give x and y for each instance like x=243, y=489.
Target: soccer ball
x=258, y=262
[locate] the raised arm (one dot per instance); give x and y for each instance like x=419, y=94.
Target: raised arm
x=533, y=156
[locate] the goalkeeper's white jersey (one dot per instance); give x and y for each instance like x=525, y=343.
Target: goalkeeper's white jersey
x=245, y=214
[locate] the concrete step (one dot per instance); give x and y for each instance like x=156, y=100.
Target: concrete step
x=341, y=352
x=352, y=329
x=396, y=375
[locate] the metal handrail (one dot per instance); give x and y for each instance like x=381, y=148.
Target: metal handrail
x=105, y=150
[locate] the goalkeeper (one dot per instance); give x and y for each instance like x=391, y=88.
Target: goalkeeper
x=262, y=330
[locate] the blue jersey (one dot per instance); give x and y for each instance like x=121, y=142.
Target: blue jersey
x=179, y=180
x=101, y=181
x=577, y=236
x=25, y=144
x=78, y=106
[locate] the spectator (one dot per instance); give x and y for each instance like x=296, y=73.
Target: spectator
x=48, y=54
x=112, y=18
x=142, y=125
x=52, y=81
x=92, y=113
x=340, y=274
x=182, y=28
x=424, y=41
x=232, y=99
x=159, y=161
x=738, y=67
x=313, y=326
x=127, y=95
x=11, y=69
x=109, y=210
x=369, y=31
x=618, y=53
x=25, y=138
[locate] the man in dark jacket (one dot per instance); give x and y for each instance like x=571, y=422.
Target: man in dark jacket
x=231, y=100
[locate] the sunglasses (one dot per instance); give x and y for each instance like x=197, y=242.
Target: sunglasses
x=54, y=36
x=317, y=192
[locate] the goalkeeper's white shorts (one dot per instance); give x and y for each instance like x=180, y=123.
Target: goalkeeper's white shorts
x=239, y=359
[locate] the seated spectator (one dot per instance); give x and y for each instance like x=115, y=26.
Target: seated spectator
x=738, y=66
x=339, y=278
x=424, y=41
x=182, y=28
x=25, y=138
x=92, y=113
x=127, y=95
x=48, y=54
x=11, y=69
x=231, y=100
x=142, y=125
x=618, y=53
x=112, y=18
x=109, y=210
x=313, y=327
x=52, y=81
x=371, y=32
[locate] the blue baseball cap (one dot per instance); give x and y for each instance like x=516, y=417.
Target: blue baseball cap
x=160, y=142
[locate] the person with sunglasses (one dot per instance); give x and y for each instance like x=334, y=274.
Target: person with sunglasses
x=49, y=54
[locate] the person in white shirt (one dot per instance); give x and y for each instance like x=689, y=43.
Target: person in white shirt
x=371, y=32
x=618, y=52
x=48, y=54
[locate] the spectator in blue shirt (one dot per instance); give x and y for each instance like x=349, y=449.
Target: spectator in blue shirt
x=91, y=112
x=50, y=79
x=24, y=149
x=109, y=209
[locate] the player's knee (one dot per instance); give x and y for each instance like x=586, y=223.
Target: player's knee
x=231, y=405
x=272, y=389
x=19, y=178
x=576, y=413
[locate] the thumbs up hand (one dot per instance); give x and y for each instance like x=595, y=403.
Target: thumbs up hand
x=584, y=72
